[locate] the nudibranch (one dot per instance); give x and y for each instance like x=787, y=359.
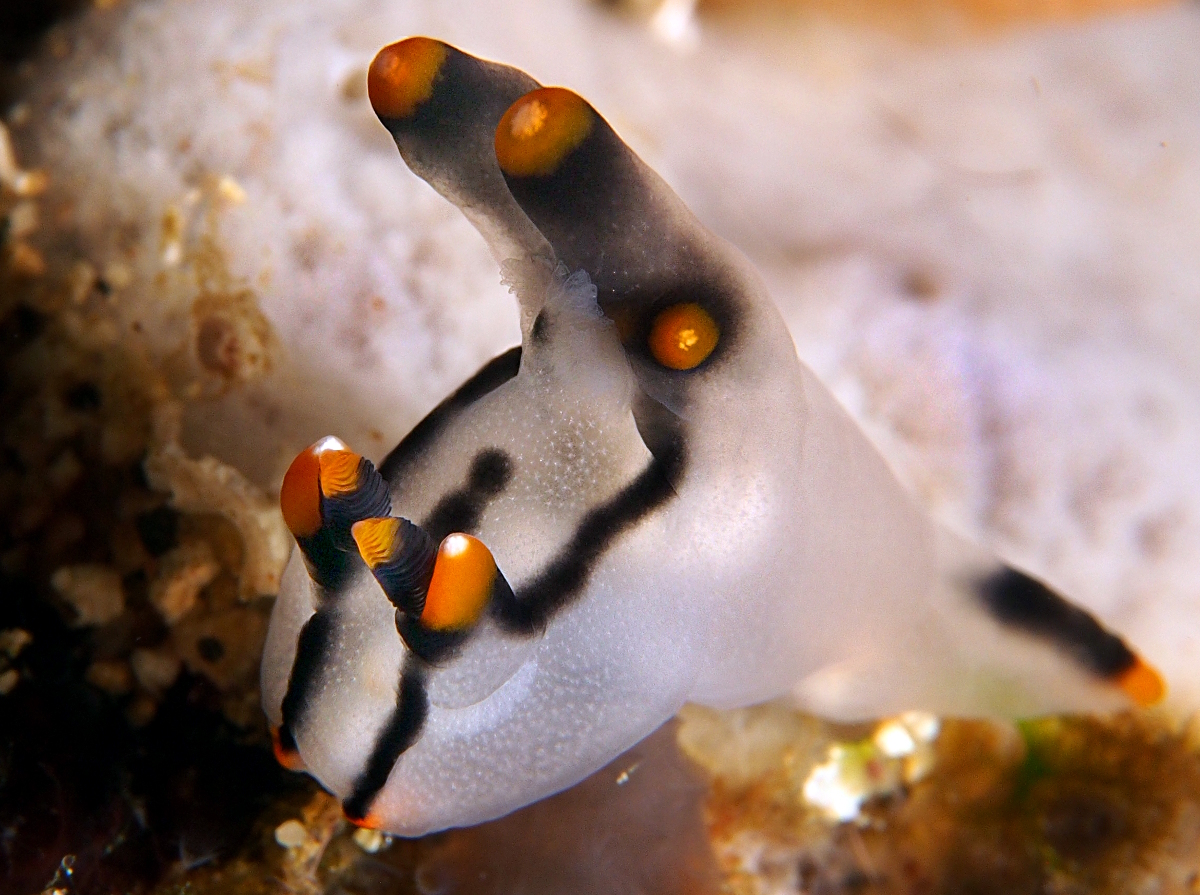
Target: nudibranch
x=650, y=501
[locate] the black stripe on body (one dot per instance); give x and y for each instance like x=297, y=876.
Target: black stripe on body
x=312, y=648
x=401, y=731
x=565, y=577
x=1022, y=602
x=662, y=433
x=491, y=376
x=461, y=510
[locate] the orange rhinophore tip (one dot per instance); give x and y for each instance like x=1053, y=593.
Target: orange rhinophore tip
x=683, y=336
x=461, y=585
x=540, y=129
x=1142, y=683
x=401, y=76
x=288, y=758
x=300, y=496
x=377, y=540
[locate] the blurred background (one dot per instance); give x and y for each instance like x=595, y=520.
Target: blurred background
x=981, y=221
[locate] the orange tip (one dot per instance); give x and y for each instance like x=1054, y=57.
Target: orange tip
x=339, y=472
x=288, y=758
x=540, y=130
x=300, y=494
x=1142, y=684
x=377, y=539
x=461, y=586
x=401, y=76
x=683, y=336
x=371, y=822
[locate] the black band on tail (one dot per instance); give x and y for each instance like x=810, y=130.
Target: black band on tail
x=1015, y=599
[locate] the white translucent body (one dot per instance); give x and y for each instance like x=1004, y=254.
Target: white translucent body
x=787, y=561
x=790, y=562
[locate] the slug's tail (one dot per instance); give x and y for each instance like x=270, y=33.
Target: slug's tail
x=993, y=642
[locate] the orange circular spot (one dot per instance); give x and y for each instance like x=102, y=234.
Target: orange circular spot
x=683, y=336
x=540, y=129
x=463, y=575
x=1142, y=684
x=339, y=472
x=300, y=495
x=401, y=76
x=377, y=539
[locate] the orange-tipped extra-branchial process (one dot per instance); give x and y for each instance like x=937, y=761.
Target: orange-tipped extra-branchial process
x=601, y=208
x=285, y=751
x=683, y=336
x=401, y=556
x=325, y=491
x=463, y=577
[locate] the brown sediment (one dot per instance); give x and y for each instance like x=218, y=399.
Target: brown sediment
x=135, y=739
x=1068, y=804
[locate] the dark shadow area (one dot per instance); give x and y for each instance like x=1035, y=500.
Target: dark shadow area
x=84, y=791
x=22, y=24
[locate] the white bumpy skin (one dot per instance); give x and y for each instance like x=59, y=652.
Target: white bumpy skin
x=677, y=509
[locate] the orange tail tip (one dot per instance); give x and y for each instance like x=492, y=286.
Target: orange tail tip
x=540, y=130
x=288, y=758
x=402, y=74
x=300, y=495
x=1142, y=684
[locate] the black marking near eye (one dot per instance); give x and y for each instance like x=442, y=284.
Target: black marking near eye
x=1023, y=602
x=401, y=731
x=312, y=649
x=461, y=510
x=565, y=577
x=540, y=332
x=640, y=306
x=491, y=376
x=662, y=433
